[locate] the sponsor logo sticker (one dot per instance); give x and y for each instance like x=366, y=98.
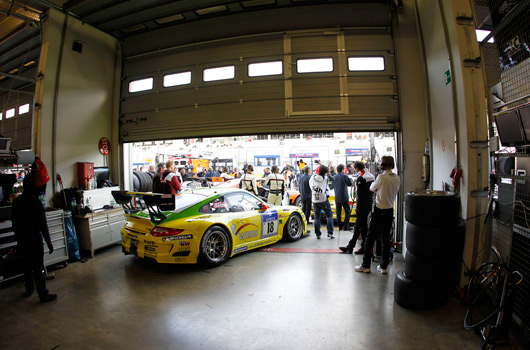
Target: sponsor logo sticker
x=176, y=238
x=151, y=249
x=269, y=224
x=239, y=250
x=251, y=231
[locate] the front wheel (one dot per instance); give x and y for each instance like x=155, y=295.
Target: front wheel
x=294, y=228
x=215, y=246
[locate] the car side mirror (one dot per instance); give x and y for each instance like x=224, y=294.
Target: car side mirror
x=262, y=206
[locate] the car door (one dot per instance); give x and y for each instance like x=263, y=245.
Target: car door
x=245, y=222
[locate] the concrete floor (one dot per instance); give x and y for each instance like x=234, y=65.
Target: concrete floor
x=257, y=300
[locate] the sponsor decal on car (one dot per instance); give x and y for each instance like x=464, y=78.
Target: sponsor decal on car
x=184, y=244
x=176, y=238
x=132, y=236
x=148, y=242
x=269, y=224
x=180, y=259
x=247, y=234
x=151, y=249
x=150, y=255
x=259, y=244
x=239, y=250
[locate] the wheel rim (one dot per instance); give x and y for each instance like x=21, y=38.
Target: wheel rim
x=294, y=228
x=216, y=246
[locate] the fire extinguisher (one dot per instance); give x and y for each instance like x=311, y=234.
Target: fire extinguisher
x=456, y=175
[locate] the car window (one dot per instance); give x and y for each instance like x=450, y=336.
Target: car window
x=242, y=201
x=218, y=205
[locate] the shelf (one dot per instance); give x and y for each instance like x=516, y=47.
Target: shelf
x=7, y=245
x=6, y=234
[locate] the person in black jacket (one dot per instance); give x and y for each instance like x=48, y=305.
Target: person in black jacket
x=157, y=178
x=305, y=192
x=30, y=227
x=342, y=200
x=364, y=207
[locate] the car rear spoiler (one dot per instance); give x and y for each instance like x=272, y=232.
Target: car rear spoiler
x=155, y=203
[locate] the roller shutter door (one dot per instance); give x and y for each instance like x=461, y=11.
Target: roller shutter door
x=336, y=100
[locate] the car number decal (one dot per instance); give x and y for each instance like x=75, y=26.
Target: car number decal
x=269, y=224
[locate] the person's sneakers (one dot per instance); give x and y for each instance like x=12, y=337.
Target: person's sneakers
x=345, y=250
x=48, y=298
x=361, y=268
x=318, y=236
x=380, y=269
x=359, y=251
x=308, y=231
x=28, y=293
x=330, y=235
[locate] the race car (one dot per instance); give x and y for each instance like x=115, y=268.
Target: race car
x=206, y=225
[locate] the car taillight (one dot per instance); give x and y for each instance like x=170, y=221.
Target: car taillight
x=165, y=231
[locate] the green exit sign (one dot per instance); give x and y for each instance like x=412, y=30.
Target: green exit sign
x=447, y=77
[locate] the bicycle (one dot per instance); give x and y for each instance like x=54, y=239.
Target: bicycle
x=491, y=293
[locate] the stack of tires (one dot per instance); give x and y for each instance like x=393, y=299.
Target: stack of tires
x=142, y=182
x=434, y=240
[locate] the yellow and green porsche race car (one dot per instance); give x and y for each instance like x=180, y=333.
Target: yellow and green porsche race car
x=206, y=225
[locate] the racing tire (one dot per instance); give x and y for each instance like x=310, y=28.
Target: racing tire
x=435, y=242
x=298, y=202
x=147, y=182
x=215, y=246
x=431, y=270
x=294, y=228
x=136, y=182
x=415, y=295
x=432, y=208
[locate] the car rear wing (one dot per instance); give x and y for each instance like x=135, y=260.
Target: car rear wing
x=155, y=203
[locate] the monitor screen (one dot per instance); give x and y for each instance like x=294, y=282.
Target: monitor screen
x=524, y=113
x=510, y=129
x=101, y=174
x=5, y=145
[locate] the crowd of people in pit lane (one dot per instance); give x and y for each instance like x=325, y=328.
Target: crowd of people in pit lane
x=314, y=192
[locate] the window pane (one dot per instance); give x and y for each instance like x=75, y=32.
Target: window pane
x=219, y=73
x=314, y=65
x=265, y=68
x=1, y=116
x=10, y=113
x=183, y=78
x=23, y=109
x=141, y=85
x=366, y=64
x=481, y=34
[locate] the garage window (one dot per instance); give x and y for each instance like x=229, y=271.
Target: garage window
x=23, y=109
x=1, y=116
x=363, y=64
x=10, y=113
x=141, y=85
x=219, y=73
x=265, y=68
x=314, y=65
x=183, y=78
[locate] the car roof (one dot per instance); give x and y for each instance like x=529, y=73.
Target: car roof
x=206, y=191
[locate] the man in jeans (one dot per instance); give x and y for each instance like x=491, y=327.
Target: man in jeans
x=386, y=187
x=342, y=199
x=319, y=193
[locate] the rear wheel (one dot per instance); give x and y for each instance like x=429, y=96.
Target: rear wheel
x=294, y=228
x=215, y=246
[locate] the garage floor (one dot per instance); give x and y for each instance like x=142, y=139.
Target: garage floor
x=258, y=300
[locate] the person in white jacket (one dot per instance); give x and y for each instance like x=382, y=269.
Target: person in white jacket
x=320, y=194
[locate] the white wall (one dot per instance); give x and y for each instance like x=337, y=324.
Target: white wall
x=85, y=108
x=466, y=104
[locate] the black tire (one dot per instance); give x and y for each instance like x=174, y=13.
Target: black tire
x=419, y=296
x=136, y=182
x=294, y=228
x=435, y=242
x=298, y=202
x=141, y=181
x=432, y=208
x=148, y=182
x=215, y=246
x=431, y=270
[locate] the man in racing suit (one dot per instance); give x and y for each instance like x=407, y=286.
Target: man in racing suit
x=319, y=193
x=276, y=185
x=248, y=181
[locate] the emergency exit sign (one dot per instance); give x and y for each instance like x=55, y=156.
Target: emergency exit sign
x=447, y=77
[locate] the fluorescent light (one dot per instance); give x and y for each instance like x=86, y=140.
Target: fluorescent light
x=481, y=34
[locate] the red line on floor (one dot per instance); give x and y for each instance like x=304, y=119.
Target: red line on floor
x=298, y=250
